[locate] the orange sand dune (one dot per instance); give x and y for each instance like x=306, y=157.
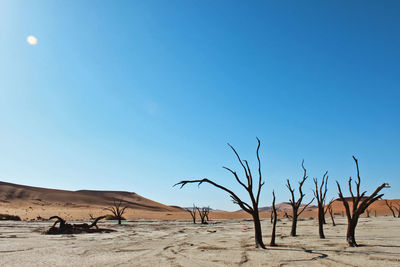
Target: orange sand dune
x=21, y=196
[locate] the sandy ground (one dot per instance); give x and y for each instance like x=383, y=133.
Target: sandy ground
x=181, y=243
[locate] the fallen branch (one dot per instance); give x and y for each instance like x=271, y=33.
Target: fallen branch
x=66, y=228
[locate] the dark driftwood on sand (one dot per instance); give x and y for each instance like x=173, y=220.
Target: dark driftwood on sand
x=66, y=228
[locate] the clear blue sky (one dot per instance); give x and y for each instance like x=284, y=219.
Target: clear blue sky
x=138, y=95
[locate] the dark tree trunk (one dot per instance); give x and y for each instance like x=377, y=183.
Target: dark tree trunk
x=119, y=220
x=351, y=231
x=273, y=244
x=257, y=231
x=294, y=224
x=321, y=219
x=333, y=221
x=274, y=217
x=320, y=195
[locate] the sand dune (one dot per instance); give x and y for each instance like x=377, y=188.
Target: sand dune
x=17, y=197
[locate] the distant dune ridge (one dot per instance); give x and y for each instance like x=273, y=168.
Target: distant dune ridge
x=19, y=194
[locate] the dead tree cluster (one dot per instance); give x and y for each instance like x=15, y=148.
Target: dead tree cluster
x=203, y=214
x=66, y=228
x=359, y=204
x=248, y=185
x=296, y=204
x=117, y=209
x=192, y=212
x=320, y=195
x=354, y=206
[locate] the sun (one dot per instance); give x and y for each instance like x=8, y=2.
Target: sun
x=32, y=40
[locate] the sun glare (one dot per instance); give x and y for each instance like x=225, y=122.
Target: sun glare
x=32, y=40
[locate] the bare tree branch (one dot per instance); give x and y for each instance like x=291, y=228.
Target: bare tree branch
x=296, y=204
x=117, y=209
x=360, y=204
x=251, y=209
x=320, y=194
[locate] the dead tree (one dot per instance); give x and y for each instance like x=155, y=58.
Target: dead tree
x=117, y=209
x=287, y=216
x=297, y=204
x=203, y=213
x=320, y=195
x=398, y=210
x=192, y=213
x=248, y=186
x=368, y=212
x=359, y=204
x=330, y=210
x=94, y=223
x=274, y=218
x=207, y=213
x=66, y=228
x=390, y=206
x=60, y=220
x=327, y=210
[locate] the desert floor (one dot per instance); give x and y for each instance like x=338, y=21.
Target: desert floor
x=221, y=243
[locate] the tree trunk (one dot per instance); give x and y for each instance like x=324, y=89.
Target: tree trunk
x=351, y=231
x=321, y=221
x=294, y=223
x=273, y=244
x=333, y=221
x=257, y=231
x=119, y=220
